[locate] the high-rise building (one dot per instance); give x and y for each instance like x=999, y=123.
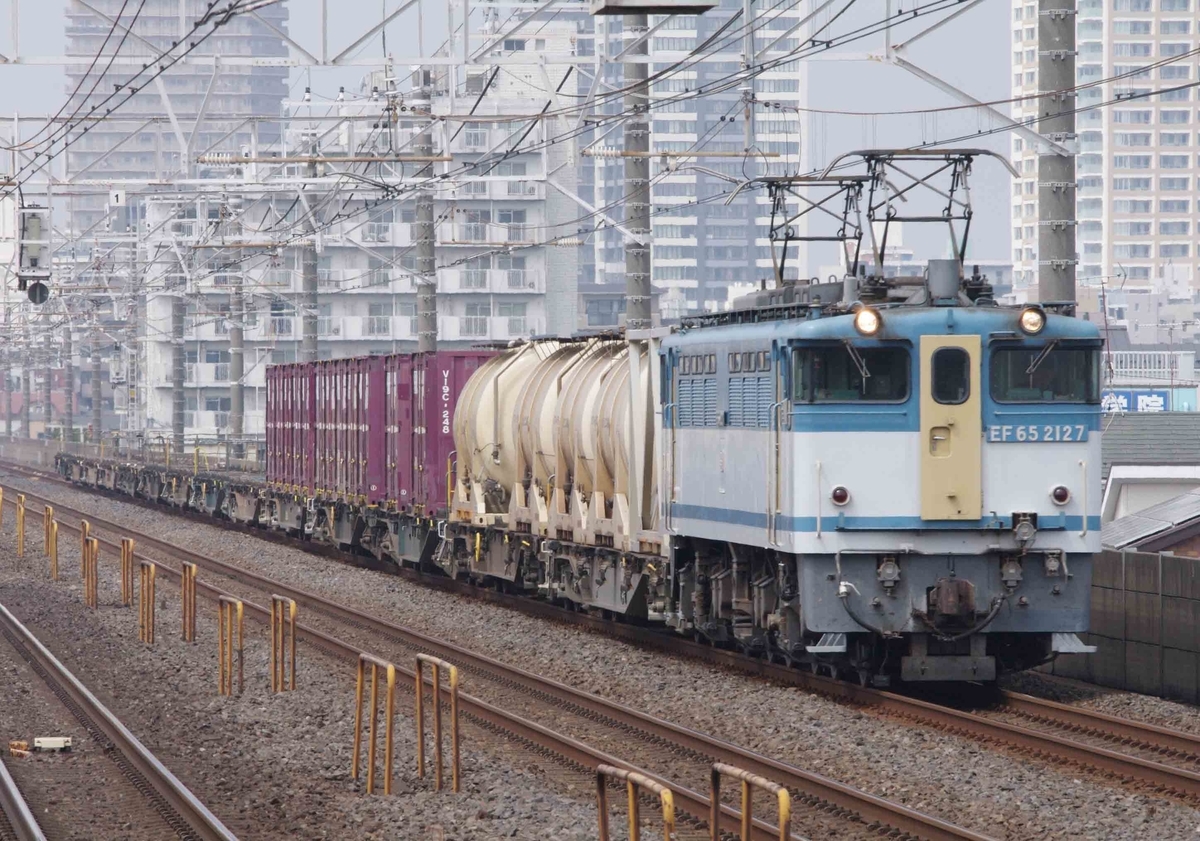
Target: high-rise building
x=703, y=243
x=198, y=105
x=1137, y=168
x=500, y=277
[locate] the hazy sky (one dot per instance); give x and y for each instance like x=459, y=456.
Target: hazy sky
x=955, y=52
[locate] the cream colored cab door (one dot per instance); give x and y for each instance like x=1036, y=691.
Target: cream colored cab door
x=951, y=428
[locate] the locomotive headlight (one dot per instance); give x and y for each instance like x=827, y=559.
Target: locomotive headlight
x=867, y=321
x=1032, y=320
x=1060, y=494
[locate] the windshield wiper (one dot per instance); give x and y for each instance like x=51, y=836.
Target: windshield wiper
x=1041, y=357
x=859, y=362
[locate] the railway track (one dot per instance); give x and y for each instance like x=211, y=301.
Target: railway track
x=1161, y=759
x=171, y=808
x=17, y=822
x=537, y=710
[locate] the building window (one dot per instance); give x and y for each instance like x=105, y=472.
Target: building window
x=475, y=272
x=1174, y=117
x=1173, y=250
x=1131, y=50
x=1171, y=184
x=1174, y=229
x=1174, y=138
x=475, y=319
x=1174, y=161
x=1131, y=161
x=514, y=45
x=1174, y=206
x=1144, y=118
x=379, y=319
x=1131, y=251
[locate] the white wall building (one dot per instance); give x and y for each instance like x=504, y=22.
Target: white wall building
x=701, y=249
x=497, y=280
x=1137, y=165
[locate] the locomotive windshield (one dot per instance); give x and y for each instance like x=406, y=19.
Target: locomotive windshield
x=844, y=373
x=1047, y=374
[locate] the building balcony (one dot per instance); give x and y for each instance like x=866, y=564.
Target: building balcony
x=488, y=328
x=1151, y=367
x=491, y=281
x=486, y=233
x=367, y=328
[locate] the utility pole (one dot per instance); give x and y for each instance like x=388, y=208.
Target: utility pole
x=68, y=386
x=637, y=176
x=47, y=385
x=7, y=385
x=178, y=372
x=1056, y=172
x=308, y=284
x=26, y=376
x=425, y=231
x=237, y=356
x=97, y=401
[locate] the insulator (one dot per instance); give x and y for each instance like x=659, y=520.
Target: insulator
x=218, y=159
x=602, y=152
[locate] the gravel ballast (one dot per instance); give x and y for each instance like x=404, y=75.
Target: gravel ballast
x=994, y=792
x=270, y=766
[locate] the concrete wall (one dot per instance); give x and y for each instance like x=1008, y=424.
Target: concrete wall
x=1145, y=622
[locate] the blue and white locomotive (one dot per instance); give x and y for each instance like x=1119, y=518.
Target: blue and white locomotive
x=892, y=488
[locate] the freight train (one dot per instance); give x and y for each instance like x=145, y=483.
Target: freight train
x=887, y=480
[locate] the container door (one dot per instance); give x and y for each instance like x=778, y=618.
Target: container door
x=951, y=428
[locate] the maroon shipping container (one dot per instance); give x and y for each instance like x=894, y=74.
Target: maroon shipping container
x=291, y=424
x=350, y=459
x=378, y=429
x=422, y=392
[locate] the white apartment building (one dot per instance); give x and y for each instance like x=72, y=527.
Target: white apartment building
x=497, y=281
x=702, y=249
x=1138, y=161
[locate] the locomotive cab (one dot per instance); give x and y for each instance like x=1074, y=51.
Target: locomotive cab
x=931, y=495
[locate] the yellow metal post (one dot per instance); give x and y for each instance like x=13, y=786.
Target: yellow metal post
x=283, y=643
x=54, y=550
x=47, y=517
x=146, y=602
x=749, y=781
x=20, y=525
x=127, y=545
x=187, y=599
x=90, y=575
x=230, y=621
x=452, y=671
x=365, y=660
x=85, y=531
x=633, y=782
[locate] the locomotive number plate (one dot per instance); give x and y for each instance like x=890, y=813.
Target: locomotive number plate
x=1037, y=432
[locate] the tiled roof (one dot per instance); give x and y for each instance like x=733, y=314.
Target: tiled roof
x=1156, y=519
x=1150, y=438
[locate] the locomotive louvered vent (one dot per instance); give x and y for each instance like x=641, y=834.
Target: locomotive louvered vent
x=697, y=403
x=750, y=401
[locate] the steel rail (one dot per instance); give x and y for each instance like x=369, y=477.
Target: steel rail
x=24, y=825
x=870, y=808
x=1155, y=774
x=1162, y=739
x=173, y=794
x=491, y=717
